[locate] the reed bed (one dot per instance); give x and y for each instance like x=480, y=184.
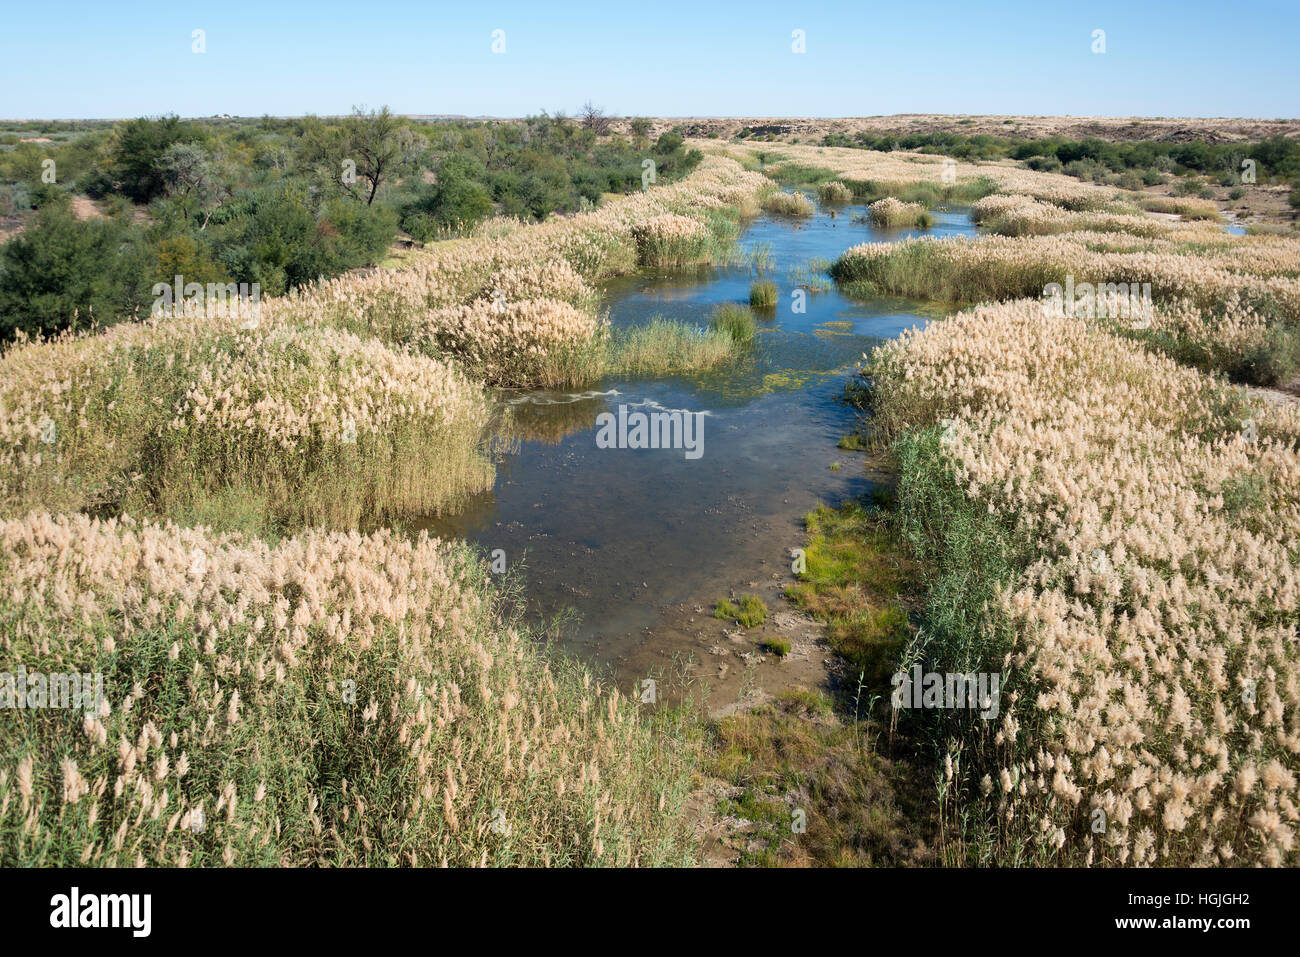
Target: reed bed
x=316, y=426
x=787, y=204
x=1187, y=208
x=1207, y=271
x=889, y=213
x=920, y=177
x=1009, y=214
x=663, y=346
x=834, y=192
x=281, y=694
x=671, y=241
x=1114, y=533
x=333, y=700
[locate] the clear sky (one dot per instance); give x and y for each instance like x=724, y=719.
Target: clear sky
x=1192, y=58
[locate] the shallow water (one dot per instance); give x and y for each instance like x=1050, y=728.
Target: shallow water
x=616, y=536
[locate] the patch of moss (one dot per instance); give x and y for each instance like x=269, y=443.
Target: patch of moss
x=854, y=579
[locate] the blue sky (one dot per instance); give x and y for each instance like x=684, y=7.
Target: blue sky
x=668, y=59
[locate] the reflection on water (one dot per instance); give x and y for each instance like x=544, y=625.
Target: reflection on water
x=614, y=535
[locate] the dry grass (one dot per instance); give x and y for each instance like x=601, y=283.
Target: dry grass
x=1115, y=534
x=787, y=204
x=335, y=700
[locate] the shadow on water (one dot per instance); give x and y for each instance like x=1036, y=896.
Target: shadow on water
x=615, y=536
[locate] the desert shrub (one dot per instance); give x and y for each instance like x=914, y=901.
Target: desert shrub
x=61, y=273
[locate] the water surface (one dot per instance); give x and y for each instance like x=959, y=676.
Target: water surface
x=614, y=537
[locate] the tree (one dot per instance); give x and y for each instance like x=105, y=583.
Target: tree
x=140, y=147
x=372, y=142
x=190, y=178
x=640, y=127
x=594, y=119
x=59, y=272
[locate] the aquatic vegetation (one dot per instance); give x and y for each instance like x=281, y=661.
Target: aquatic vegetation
x=1015, y=215
x=853, y=577
x=735, y=320
x=334, y=699
x=1245, y=341
x=748, y=610
x=763, y=294
x=1187, y=208
x=322, y=697
x=834, y=192
x=1078, y=500
x=892, y=214
x=787, y=204
x=1208, y=271
x=663, y=346
x=318, y=426
x=930, y=179
x=533, y=342
x=671, y=241
x=795, y=755
x=1223, y=303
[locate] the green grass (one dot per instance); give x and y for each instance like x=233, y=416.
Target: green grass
x=735, y=321
x=663, y=346
x=748, y=610
x=777, y=645
x=763, y=294
x=853, y=580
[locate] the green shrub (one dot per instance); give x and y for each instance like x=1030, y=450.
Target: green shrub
x=62, y=273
